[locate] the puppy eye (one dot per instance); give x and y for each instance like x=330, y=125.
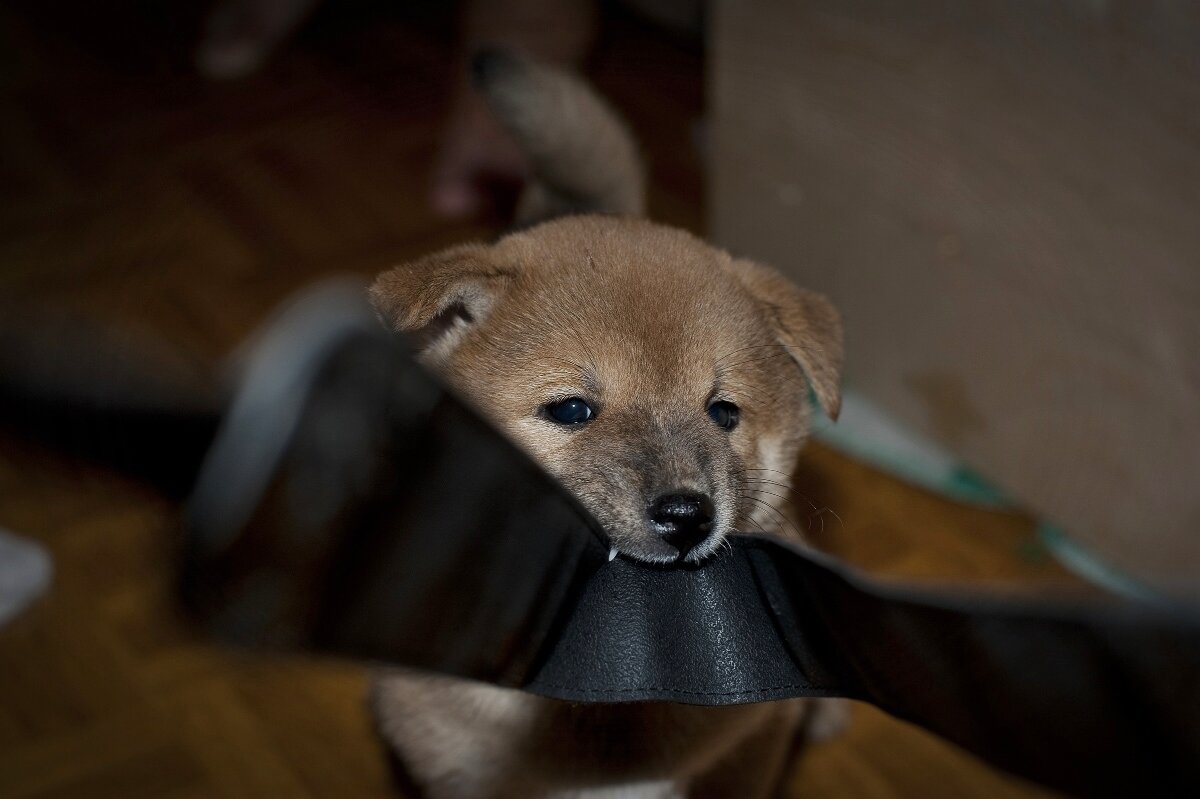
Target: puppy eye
x=724, y=414
x=569, y=411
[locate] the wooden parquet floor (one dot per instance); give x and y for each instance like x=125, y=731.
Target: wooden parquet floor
x=134, y=193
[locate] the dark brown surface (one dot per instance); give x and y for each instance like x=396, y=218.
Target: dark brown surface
x=137, y=194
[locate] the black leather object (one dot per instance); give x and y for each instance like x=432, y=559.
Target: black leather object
x=352, y=506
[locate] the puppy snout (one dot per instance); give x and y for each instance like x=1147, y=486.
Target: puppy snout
x=683, y=520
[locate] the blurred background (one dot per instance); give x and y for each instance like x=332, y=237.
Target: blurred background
x=1002, y=197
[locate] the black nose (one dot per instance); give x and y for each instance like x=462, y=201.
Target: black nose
x=683, y=520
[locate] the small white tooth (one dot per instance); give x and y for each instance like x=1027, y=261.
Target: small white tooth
x=612, y=554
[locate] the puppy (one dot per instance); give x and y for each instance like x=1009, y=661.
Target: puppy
x=662, y=381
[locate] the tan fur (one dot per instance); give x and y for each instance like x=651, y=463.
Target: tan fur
x=649, y=325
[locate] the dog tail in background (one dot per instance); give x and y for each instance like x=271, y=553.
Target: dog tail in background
x=582, y=155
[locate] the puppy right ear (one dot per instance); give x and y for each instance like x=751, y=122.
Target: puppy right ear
x=440, y=297
x=807, y=325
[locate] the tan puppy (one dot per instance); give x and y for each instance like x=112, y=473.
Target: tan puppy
x=662, y=381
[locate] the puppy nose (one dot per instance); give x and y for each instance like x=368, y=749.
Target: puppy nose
x=683, y=520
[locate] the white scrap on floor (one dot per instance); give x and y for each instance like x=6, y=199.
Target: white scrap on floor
x=26, y=570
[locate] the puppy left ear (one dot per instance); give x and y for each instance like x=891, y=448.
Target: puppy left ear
x=438, y=298
x=807, y=325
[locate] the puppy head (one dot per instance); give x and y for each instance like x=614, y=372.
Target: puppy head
x=660, y=380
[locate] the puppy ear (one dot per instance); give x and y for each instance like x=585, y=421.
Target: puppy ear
x=807, y=325
x=440, y=297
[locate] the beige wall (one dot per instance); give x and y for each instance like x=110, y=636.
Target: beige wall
x=1004, y=199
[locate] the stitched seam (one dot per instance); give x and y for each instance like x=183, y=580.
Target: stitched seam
x=680, y=691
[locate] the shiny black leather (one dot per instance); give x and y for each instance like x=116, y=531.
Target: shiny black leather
x=350, y=505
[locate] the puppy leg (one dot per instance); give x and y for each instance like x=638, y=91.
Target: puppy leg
x=665, y=789
x=755, y=767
